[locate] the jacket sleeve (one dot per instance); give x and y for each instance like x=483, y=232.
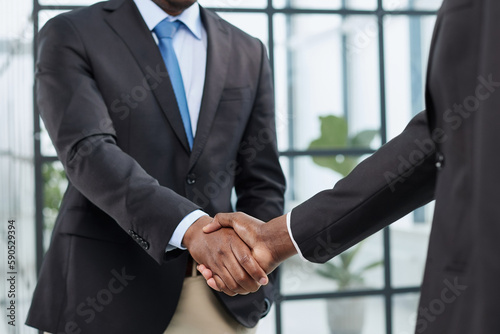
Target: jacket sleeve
x=81, y=129
x=395, y=180
x=260, y=186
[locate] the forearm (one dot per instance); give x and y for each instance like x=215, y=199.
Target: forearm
x=119, y=186
x=395, y=180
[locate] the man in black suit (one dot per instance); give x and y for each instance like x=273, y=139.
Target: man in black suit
x=448, y=153
x=146, y=164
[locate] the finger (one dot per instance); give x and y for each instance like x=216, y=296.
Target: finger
x=201, y=268
x=212, y=227
x=215, y=281
x=205, y=272
x=235, y=278
x=243, y=283
x=222, y=286
x=240, y=282
x=252, y=268
x=211, y=283
x=208, y=276
x=220, y=220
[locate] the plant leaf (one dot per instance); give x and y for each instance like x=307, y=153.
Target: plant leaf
x=329, y=270
x=363, y=138
x=371, y=266
x=335, y=134
x=350, y=254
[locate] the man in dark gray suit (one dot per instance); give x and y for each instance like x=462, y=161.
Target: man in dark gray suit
x=448, y=153
x=157, y=110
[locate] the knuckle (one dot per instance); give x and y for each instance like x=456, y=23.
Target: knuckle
x=245, y=259
x=241, y=277
x=233, y=286
x=221, y=252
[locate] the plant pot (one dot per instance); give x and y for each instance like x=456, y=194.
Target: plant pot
x=346, y=315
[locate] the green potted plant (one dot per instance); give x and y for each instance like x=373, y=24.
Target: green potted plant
x=340, y=269
x=345, y=315
x=335, y=134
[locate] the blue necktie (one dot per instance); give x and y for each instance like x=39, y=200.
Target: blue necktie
x=165, y=31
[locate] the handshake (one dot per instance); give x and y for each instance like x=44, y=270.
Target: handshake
x=235, y=251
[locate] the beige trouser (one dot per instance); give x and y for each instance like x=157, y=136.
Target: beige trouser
x=199, y=312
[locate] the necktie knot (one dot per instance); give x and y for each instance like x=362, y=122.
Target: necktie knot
x=166, y=29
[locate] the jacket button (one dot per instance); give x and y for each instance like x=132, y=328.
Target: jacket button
x=191, y=179
x=145, y=245
x=439, y=161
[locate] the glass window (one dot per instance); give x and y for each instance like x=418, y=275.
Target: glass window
x=55, y=183
x=67, y=2
x=348, y=75
x=412, y=4
x=359, y=268
x=409, y=241
x=326, y=4
x=405, y=313
x=234, y=3
x=327, y=78
x=253, y=24
x=17, y=177
x=364, y=315
x=407, y=41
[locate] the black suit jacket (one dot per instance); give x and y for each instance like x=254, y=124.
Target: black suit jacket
x=449, y=153
x=106, y=99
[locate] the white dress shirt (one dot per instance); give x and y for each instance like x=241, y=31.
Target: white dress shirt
x=289, y=228
x=190, y=46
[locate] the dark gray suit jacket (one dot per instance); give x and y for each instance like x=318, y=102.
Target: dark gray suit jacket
x=108, y=105
x=449, y=153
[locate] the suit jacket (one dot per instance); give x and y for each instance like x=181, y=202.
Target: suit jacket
x=448, y=153
x=106, y=99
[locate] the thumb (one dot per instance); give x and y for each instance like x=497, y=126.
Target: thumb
x=220, y=220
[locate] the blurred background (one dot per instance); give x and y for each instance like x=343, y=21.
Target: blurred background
x=349, y=75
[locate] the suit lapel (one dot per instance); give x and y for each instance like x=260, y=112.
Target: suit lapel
x=127, y=22
x=219, y=47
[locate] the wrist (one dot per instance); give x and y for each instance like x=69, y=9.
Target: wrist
x=278, y=240
x=195, y=229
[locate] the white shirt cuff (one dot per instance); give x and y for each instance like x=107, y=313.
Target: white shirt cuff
x=288, y=223
x=176, y=240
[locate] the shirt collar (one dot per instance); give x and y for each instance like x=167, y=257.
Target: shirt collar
x=153, y=14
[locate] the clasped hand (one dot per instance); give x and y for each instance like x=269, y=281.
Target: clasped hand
x=236, y=251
